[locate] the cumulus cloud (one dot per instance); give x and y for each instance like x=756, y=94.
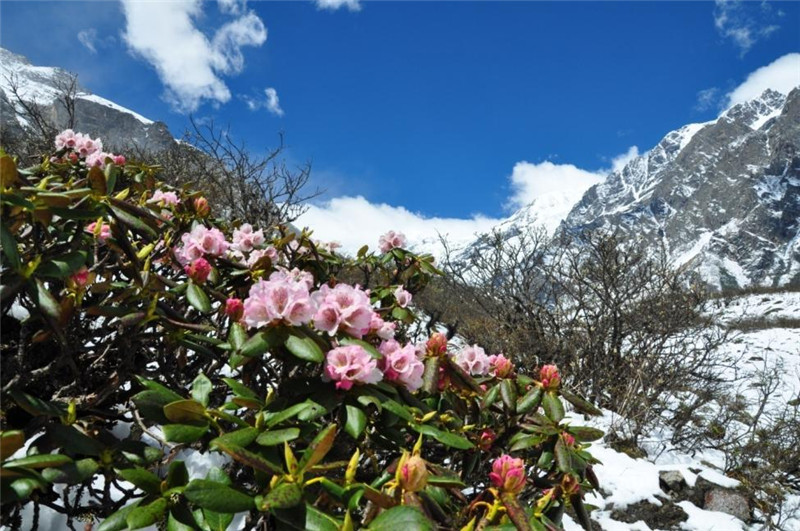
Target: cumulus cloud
x=88, y=38
x=187, y=61
x=354, y=221
x=744, y=23
x=352, y=5
x=621, y=160
x=781, y=75
x=270, y=102
x=530, y=181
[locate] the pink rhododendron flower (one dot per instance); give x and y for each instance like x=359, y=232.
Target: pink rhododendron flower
x=349, y=365
x=164, y=198
x=500, y=366
x=549, y=377
x=198, y=270
x=258, y=254
x=234, y=308
x=437, y=344
x=391, y=240
x=345, y=308
x=103, y=235
x=98, y=158
x=245, y=239
x=201, y=242
x=382, y=329
x=402, y=296
x=486, y=440
x=295, y=275
x=278, y=299
x=401, y=365
x=473, y=360
x=66, y=139
x=508, y=474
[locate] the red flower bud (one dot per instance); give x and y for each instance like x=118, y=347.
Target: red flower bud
x=234, y=308
x=198, y=270
x=549, y=377
x=437, y=344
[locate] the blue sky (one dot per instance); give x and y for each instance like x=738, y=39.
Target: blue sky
x=428, y=106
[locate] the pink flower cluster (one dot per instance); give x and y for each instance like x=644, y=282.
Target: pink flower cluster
x=401, y=364
x=344, y=308
x=500, y=366
x=349, y=365
x=201, y=242
x=283, y=297
x=391, y=240
x=163, y=198
x=91, y=150
x=508, y=474
x=473, y=360
x=245, y=239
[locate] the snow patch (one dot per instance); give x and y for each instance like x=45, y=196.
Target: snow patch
x=107, y=103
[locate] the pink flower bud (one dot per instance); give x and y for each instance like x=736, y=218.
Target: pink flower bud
x=234, y=308
x=119, y=160
x=500, y=366
x=508, y=474
x=413, y=475
x=80, y=278
x=437, y=344
x=102, y=234
x=487, y=438
x=549, y=377
x=201, y=206
x=569, y=440
x=198, y=270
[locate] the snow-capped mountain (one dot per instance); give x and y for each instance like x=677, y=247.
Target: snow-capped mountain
x=722, y=197
x=97, y=116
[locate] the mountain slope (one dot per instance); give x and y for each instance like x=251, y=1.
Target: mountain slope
x=723, y=197
x=97, y=116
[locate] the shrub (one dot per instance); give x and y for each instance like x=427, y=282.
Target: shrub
x=146, y=329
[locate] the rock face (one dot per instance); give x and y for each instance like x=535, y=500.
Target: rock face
x=722, y=197
x=94, y=115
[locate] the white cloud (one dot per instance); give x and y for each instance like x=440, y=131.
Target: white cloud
x=707, y=99
x=781, y=75
x=534, y=181
x=354, y=221
x=619, y=162
x=270, y=102
x=352, y=5
x=189, y=63
x=744, y=23
x=88, y=38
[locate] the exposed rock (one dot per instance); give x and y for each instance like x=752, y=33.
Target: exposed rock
x=727, y=501
x=672, y=481
x=666, y=516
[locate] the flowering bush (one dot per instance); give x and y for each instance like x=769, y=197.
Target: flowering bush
x=153, y=330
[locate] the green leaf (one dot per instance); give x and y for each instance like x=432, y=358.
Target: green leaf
x=237, y=335
x=255, y=346
x=148, y=515
x=553, y=407
x=97, y=180
x=74, y=441
x=10, y=442
x=275, y=437
x=399, y=410
x=117, y=521
x=562, y=456
x=72, y=473
x=134, y=222
x=508, y=392
x=401, y=517
x=185, y=411
x=530, y=400
x=143, y=479
x=525, y=442
x=38, y=461
x=151, y=403
x=444, y=437
x=178, y=475
x=47, y=303
x=184, y=433
x=490, y=397
x=356, y=422
x=241, y=438
x=251, y=459
x=271, y=419
x=316, y=520
x=430, y=378
x=217, y=497
x=585, y=433
x=318, y=448
x=201, y=389
x=580, y=405
x=240, y=389
x=283, y=496
x=36, y=406
x=174, y=522
x=63, y=266
x=198, y=298
x=10, y=248
x=305, y=348
x=217, y=521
